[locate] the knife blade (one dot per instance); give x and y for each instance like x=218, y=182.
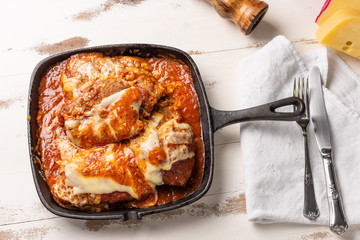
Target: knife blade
x=319, y=118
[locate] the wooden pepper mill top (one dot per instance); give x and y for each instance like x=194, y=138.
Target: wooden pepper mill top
x=246, y=14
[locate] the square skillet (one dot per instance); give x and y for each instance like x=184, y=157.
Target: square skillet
x=140, y=50
x=211, y=120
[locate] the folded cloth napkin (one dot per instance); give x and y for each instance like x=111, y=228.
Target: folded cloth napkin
x=273, y=152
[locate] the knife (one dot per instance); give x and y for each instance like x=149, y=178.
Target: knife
x=320, y=121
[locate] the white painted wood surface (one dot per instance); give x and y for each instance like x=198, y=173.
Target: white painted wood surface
x=31, y=30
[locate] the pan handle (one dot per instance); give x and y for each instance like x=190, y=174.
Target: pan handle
x=267, y=111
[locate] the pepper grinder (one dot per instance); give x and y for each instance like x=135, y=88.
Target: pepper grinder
x=246, y=14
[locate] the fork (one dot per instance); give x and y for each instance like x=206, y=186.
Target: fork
x=311, y=210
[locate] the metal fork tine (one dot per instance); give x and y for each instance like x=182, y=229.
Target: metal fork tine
x=294, y=93
x=307, y=98
x=299, y=88
x=303, y=89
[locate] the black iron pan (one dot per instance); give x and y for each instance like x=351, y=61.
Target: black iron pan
x=211, y=120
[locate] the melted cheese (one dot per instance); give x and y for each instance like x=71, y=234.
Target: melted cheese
x=87, y=69
x=109, y=101
x=83, y=74
x=96, y=185
x=107, y=67
x=152, y=173
x=93, y=124
x=71, y=84
x=149, y=143
x=155, y=119
x=174, y=138
x=73, y=159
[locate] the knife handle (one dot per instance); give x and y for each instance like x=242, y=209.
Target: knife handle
x=338, y=223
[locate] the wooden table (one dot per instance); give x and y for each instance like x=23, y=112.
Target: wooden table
x=33, y=30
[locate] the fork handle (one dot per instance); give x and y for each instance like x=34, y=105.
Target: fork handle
x=311, y=209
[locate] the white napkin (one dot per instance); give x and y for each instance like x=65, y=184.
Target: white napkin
x=273, y=152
